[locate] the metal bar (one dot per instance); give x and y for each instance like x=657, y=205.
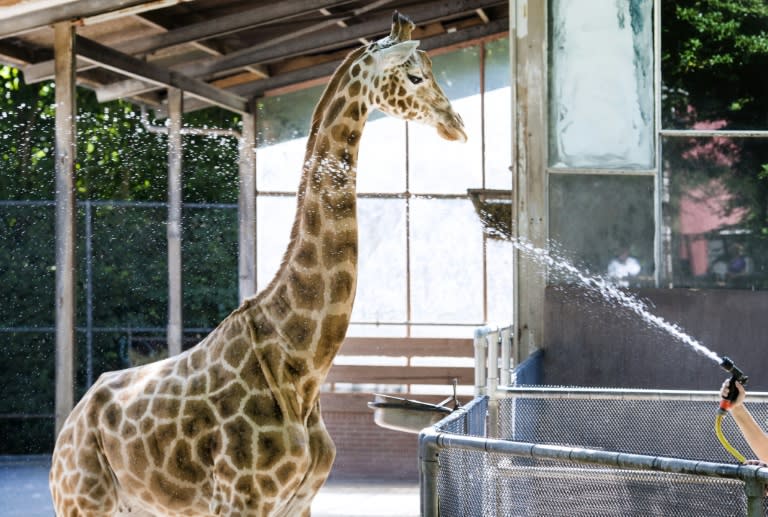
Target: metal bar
x=755, y=492
x=603, y=457
x=723, y=133
x=607, y=172
x=620, y=394
x=64, y=49
x=247, y=208
x=481, y=346
x=428, y=471
x=88, y=294
x=129, y=65
x=174, y=222
x=661, y=272
x=506, y=356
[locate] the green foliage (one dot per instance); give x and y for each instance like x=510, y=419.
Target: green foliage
x=715, y=68
x=118, y=159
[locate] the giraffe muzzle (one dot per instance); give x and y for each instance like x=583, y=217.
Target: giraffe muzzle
x=453, y=130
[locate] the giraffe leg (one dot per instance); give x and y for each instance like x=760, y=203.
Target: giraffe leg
x=323, y=452
x=81, y=483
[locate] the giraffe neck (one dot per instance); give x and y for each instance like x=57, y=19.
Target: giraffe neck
x=309, y=301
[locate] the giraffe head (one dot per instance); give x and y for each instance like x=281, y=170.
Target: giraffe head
x=403, y=84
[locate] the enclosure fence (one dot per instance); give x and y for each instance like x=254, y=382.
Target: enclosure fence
x=566, y=452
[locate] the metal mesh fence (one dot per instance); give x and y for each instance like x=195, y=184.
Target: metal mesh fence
x=481, y=481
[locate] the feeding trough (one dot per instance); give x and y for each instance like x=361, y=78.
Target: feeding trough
x=410, y=416
x=494, y=207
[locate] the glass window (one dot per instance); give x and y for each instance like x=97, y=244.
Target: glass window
x=283, y=125
x=595, y=219
x=601, y=84
x=716, y=197
x=714, y=65
x=381, y=161
x=498, y=114
x=437, y=165
x=382, y=281
x=274, y=220
x=446, y=261
x=716, y=184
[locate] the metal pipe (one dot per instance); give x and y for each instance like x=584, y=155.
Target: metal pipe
x=602, y=457
x=429, y=469
x=619, y=394
x=202, y=131
x=506, y=356
x=480, y=359
x=88, y=294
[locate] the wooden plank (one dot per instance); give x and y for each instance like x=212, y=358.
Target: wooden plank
x=258, y=16
x=327, y=39
x=409, y=347
x=400, y=374
x=44, y=14
x=128, y=65
x=64, y=41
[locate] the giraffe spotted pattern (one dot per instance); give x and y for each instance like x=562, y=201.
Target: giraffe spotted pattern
x=232, y=426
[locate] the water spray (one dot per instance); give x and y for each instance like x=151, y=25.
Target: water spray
x=727, y=402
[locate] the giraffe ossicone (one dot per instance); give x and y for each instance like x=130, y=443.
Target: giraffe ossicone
x=232, y=426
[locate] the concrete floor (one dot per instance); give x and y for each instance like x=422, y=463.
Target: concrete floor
x=24, y=493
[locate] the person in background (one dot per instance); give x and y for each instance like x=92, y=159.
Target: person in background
x=752, y=432
x=623, y=267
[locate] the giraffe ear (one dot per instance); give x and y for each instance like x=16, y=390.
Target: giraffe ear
x=397, y=54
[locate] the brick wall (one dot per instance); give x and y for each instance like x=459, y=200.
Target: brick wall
x=363, y=449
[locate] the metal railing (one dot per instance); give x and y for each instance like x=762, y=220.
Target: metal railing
x=557, y=451
x=578, y=462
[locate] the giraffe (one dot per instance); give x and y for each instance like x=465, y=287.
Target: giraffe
x=232, y=426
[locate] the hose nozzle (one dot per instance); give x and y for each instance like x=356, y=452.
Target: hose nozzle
x=736, y=376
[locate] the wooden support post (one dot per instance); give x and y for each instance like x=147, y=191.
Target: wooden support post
x=175, y=327
x=247, y=207
x=530, y=170
x=64, y=50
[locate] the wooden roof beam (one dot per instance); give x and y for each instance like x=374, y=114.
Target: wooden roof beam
x=129, y=65
x=255, y=17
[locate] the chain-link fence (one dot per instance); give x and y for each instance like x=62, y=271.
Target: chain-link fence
x=569, y=452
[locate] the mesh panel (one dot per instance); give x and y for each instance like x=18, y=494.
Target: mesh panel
x=478, y=483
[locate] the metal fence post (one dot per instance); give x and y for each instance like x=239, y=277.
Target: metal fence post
x=755, y=490
x=428, y=471
x=481, y=345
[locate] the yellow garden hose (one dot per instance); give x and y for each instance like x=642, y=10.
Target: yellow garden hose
x=720, y=436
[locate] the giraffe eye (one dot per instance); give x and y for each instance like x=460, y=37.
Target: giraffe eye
x=415, y=79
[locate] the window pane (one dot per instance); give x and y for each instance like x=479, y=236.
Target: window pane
x=381, y=286
x=437, y=165
x=381, y=163
x=498, y=115
x=601, y=84
x=274, y=220
x=594, y=218
x=718, y=193
x=283, y=124
x=714, y=65
x=446, y=261
x=500, y=270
